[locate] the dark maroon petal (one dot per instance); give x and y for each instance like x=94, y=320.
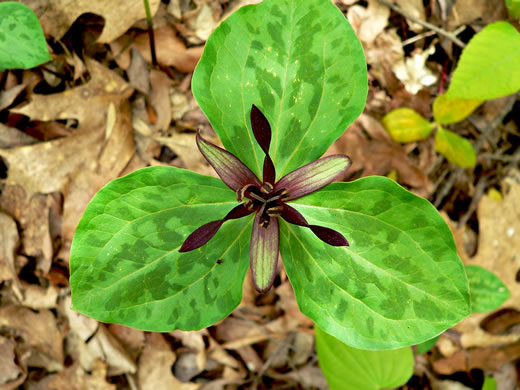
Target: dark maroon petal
x=291, y=215
x=206, y=232
x=329, y=236
x=313, y=176
x=263, y=253
x=261, y=128
x=269, y=170
x=201, y=236
x=237, y=212
x=230, y=169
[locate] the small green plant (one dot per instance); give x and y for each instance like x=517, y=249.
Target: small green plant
x=347, y=368
x=489, y=68
x=22, y=44
x=162, y=249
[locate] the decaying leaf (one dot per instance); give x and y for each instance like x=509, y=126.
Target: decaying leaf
x=11, y=374
x=39, y=332
x=170, y=49
x=155, y=366
x=56, y=16
x=9, y=239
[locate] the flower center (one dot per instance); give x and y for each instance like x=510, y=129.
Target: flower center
x=265, y=200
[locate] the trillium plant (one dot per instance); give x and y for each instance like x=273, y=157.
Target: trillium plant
x=165, y=248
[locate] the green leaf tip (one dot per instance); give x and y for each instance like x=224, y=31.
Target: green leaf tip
x=22, y=42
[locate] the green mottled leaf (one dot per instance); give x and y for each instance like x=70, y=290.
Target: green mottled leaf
x=299, y=62
x=487, y=290
x=22, y=44
x=489, y=65
x=125, y=264
x=456, y=149
x=348, y=368
x=406, y=125
x=446, y=110
x=427, y=345
x=513, y=7
x=400, y=282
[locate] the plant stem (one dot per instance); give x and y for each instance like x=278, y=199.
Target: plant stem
x=423, y=23
x=150, y=32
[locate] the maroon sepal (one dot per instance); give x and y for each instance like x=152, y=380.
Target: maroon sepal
x=269, y=170
x=206, y=232
x=330, y=236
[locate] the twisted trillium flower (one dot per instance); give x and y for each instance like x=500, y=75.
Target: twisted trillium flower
x=268, y=199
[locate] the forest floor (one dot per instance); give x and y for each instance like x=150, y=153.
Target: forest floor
x=100, y=110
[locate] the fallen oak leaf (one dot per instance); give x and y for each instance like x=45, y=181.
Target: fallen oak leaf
x=170, y=50
x=56, y=16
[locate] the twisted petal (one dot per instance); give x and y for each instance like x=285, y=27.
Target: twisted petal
x=261, y=128
x=230, y=169
x=206, y=232
x=330, y=236
x=263, y=253
x=262, y=132
x=313, y=176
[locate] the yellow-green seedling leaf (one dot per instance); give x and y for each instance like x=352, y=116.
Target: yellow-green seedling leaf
x=513, y=7
x=299, y=62
x=125, y=262
x=348, y=368
x=452, y=110
x=489, y=66
x=456, y=149
x=406, y=125
x=495, y=194
x=486, y=289
x=22, y=44
x=427, y=345
x=489, y=383
x=399, y=283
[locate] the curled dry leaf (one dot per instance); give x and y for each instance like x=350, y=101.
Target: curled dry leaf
x=11, y=374
x=413, y=8
x=81, y=380
x=170, y=50
x=11, y=137
x=56, y=16
x=382, y=47
x=154, y=371
x=467, y=11
x=9, y=239
x=32, y=214
x=39, y=333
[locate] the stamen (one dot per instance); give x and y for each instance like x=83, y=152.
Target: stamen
x=266, y=188
x=284, y=195
x=273, y=198
x=250, y=205
x=274, y=211
x=241, y=192
x=257, y=197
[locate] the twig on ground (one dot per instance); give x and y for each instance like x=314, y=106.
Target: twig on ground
x=150, y=32
x=479, y=191
x=423, y=23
